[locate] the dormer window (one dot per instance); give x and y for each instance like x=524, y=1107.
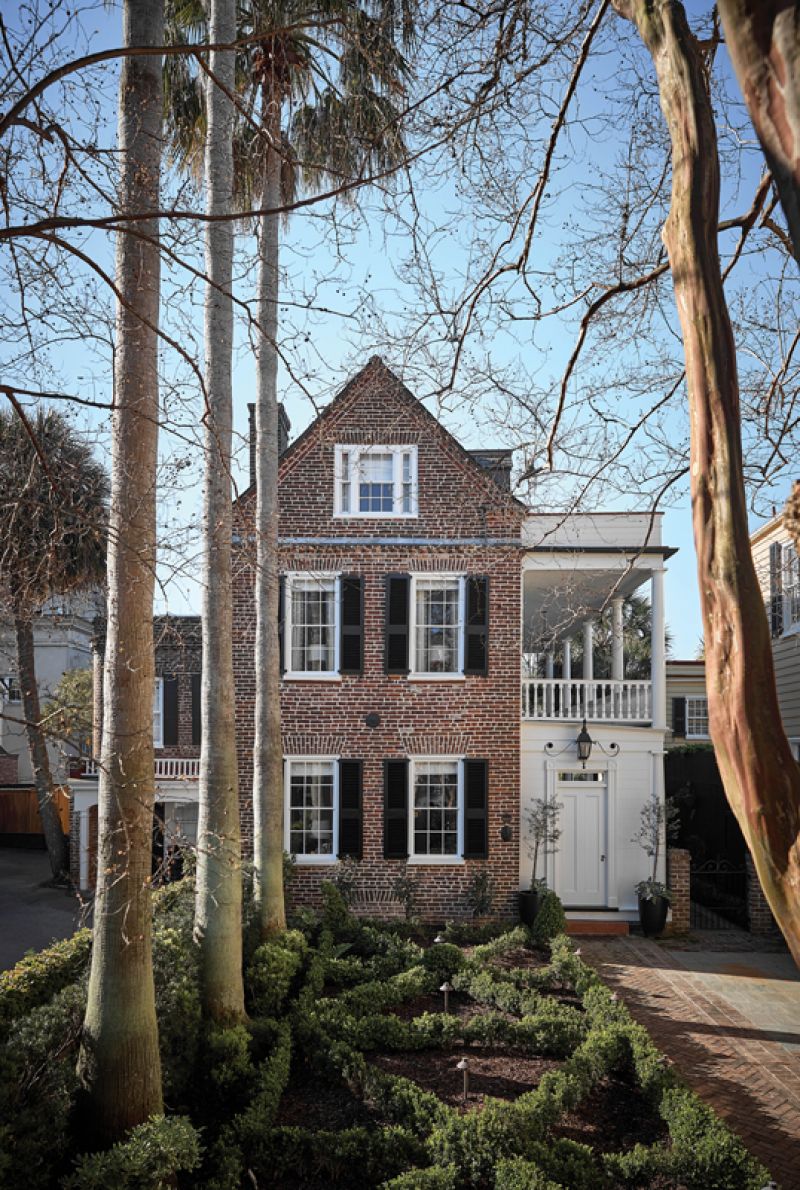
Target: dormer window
x=375, y=481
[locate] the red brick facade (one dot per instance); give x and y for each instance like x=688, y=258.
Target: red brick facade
x=465, y=525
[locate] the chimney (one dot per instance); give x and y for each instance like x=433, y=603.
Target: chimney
x=284, y=426
x=497, y=463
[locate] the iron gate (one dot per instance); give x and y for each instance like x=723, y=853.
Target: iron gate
x=718, y=895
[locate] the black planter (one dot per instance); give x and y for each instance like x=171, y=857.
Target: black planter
x=528, y=906
x=653, y=915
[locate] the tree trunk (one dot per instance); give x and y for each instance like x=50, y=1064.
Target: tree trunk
x=54, y=837
x=119, y=1061
x=267, y=751
x=218, y=906
x=762, y=781
x=763, y=40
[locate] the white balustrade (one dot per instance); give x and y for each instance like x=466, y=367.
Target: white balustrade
x=167, y=768
x=628, y=701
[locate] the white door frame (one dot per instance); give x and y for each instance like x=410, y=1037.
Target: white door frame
x=609, y=769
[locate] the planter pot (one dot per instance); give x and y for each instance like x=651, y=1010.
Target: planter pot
x=528, y=906
x=653, y=915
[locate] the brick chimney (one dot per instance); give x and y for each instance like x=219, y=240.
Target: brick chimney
x=284, y=426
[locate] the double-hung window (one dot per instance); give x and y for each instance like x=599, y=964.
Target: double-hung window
x=312, y=796
x=791, y=588
x=158, y=713
x=10, y=689
x=697, y=717
x=311, y=624
x=375, y=481
x=436, y=821
x=438, y=622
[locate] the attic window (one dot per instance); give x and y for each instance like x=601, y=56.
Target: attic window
x=375, y=481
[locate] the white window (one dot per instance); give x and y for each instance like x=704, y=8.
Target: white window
x=311, y=641
x=158, y=714
x=696, y=718
x=437, y=615
x=791, y=588
x=312, y=802
x=436, y=827
x=10, y=689
x=375, y=481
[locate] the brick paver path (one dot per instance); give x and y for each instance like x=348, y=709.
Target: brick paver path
x=731, y=1025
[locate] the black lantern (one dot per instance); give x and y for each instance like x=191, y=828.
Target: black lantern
x=584, y=742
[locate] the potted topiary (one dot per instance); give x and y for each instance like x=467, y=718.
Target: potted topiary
x=657, y=820
x=543, y=832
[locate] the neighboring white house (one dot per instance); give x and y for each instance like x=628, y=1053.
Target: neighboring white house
x=778, y=569
x=572, y=568
x=63, y=641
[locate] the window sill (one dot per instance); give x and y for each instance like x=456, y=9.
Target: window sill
x=697, y=737
x=376, y=516
x=437, y=677
x=311, y=677
x=315, y=861
x=436, y=861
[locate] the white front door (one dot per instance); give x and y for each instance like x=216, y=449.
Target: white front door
x=581, y=859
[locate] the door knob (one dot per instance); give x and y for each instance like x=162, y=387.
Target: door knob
x=602, y=859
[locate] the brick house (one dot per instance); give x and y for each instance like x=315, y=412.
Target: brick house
x=427, y=693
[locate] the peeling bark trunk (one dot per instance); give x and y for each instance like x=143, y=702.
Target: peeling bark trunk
x=761, y=779
x=54, y=837
x=267, y=751
x=119, y=1062
x=763, y=40
x=218, y=904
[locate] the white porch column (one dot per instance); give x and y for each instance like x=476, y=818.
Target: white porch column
x=617, y=656
x=566, y=660
x=83, y=844
x=548, y=665
x=658, y=653
x=588, y=650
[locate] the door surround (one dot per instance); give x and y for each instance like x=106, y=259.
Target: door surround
x=609, y=770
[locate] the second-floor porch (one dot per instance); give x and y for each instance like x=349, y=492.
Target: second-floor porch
x=587, y=652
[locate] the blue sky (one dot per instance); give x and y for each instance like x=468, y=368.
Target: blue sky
x=359, y=285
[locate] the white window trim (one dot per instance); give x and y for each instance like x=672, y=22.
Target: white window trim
x=354, y=453
x=696, y=735
x=291, y=675
x=11, y=682
x=311, y=860
x=422, y=675
x=448, y=861
x=791, y=626
x=158, y=701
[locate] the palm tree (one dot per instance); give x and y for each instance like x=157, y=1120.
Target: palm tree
x=636, y=629
x=302, y=121
x=119, y=1062
x=53, y=532
x=218, y=903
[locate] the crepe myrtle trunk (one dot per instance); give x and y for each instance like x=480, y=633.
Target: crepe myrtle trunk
x=761, y=780
x=54, y=837
x=763, y=40
x=218, y=904
x=119, y=1061
x=267, y=755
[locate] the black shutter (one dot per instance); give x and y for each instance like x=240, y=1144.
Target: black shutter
x=351, y=642
x=476, y=643
x=350, y=777
x=679, y=717
x=398, y=589
x=169, y=729
x=476, y=809
x=194, y=681
x=776, y=588
x=395, y=809
x=281, y=621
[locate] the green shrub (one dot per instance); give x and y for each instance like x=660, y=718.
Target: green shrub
x=468, y=933
x=176, y=976
x=475, y=1143
x=352, y=1157
x=229, y=1073
x=550, y=920
x=519, y=1174
x=37, y=1085
x=443, y=960
x=706, y=1154
x=435, y=1177
x=567, y=1163
x=336, y=915
x=149, y=1160
x=272, y=971
x=38, y=977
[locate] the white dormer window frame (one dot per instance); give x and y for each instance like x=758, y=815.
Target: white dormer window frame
x=347, y=480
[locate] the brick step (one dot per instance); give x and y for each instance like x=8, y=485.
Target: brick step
x=596, y=927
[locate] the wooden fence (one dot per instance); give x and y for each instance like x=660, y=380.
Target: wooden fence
x=19, y=812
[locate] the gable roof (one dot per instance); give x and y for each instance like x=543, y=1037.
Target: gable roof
x=376, y=365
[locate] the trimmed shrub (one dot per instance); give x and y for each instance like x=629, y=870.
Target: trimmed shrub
x=706, y=1154
x=435, y=1177
x=272, y=971
x=518, y=1174
x=443, y=960
x=38, y=977
x=550, y=920
x=352, y=1157
x=149, y=1160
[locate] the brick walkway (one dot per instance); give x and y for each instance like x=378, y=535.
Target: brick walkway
x=731, y=1024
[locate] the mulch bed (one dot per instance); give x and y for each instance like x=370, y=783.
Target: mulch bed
x=494, y=1071
x=314, y=1103
x=613, y=1118
x=460, y=1006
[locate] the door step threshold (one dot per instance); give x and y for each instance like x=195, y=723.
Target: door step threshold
x=594, y=926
